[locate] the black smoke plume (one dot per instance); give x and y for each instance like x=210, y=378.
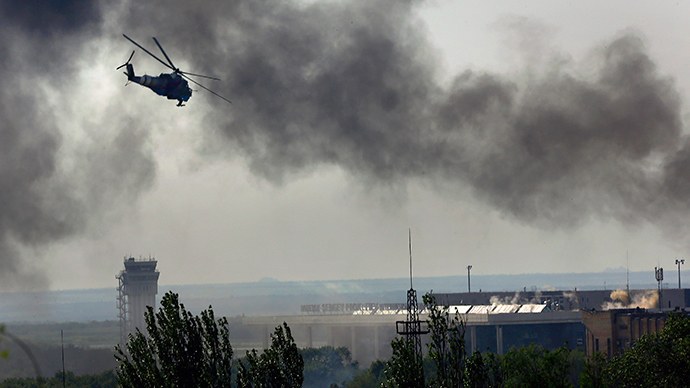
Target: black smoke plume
x=354, y=85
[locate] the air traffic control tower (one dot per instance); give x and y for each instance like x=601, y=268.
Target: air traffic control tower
x=137, y=288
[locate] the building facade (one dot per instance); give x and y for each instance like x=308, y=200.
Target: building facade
x=613, y=331
x=592, y=320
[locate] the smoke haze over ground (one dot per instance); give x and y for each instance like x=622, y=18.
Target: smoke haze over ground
x=338, y=84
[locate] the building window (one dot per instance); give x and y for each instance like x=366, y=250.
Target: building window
x=608, y=345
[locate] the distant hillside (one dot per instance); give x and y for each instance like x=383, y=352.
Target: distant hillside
x=280, y=298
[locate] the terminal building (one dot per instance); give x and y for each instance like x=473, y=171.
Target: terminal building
x=367, y=332
x=592, y=320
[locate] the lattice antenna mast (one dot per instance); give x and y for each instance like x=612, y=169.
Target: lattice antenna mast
x=412, y=327
x=409, y=241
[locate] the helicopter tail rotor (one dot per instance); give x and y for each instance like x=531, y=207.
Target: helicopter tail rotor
x=126, y=63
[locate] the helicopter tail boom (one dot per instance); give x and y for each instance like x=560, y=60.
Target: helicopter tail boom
x=130, y=72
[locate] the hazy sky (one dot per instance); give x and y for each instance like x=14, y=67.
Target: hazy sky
x=523, y=136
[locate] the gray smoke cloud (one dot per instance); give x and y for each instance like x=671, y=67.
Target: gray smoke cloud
x=40, y=201
x=353, y=85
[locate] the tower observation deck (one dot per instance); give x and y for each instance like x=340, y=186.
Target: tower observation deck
x=137, y=288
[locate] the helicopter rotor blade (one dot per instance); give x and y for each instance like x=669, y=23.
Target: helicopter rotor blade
x=199, y=75
x=205, y=88
x=126, y=63
x=166, y=55
x=148, y=52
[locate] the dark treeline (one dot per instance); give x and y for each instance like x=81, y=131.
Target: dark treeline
x=530, y=366
x=106, y=379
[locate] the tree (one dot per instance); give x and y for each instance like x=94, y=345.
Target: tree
x=180, y=350
x=373, y=376
x=403, y=369
x=477, y=372
x=326, y=365
x=106, y=379
x=593, y=373
x=447, y=345
x=281, y=365
x=535, y=366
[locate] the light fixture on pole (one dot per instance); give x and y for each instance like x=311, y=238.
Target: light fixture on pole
x=679, y=262
x=659, y=275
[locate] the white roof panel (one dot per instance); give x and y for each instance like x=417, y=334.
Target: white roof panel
x=463, y=309
x=532, y=308
x=481, y=309
x=505, y=308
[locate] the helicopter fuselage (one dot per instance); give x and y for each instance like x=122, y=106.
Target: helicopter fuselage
x=173, y=85
x=170, y=85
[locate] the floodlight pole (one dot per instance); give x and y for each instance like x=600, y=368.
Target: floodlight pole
x=679, y=262
x=469, y=289
x=659, y=275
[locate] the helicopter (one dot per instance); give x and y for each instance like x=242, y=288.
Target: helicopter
x=172, y=85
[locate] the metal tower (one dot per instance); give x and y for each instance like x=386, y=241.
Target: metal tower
x=137, y=288
x=412, y=327
x=122, y=310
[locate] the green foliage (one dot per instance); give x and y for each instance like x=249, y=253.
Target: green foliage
x=102, y=380
x=656, y=360
x=446, y=346
x=403, y=369
x=593, y=373
x=327, y=365
x=281, y=365
x=372, y=377
x=181, y=350
x=477, y=372
x=534, y=366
